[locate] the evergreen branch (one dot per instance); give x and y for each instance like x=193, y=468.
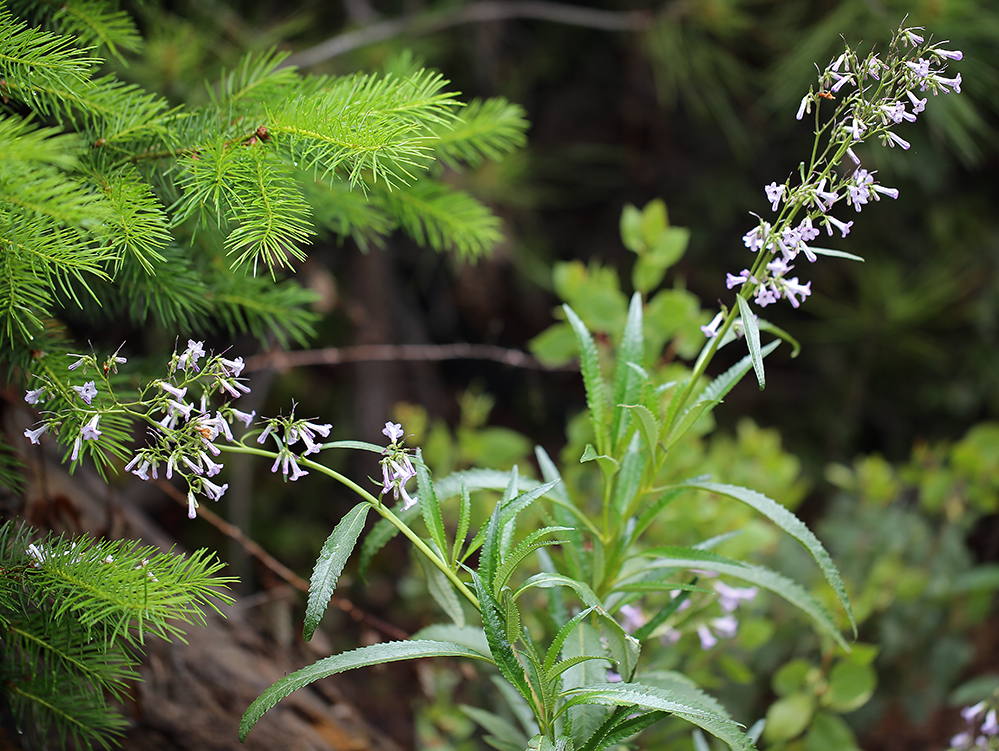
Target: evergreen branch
x=485, y=130
x=32, y=60
x=443, y=218
x=345, y=212
x=264, y=308
x=47, y=705
x=96, y=23
x=21, y=142
x=272, y=214
x=257, y=79
x=117, y=586
x=136, y=223
x=365, y=124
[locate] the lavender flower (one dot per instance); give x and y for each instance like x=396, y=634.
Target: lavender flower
x=87, y=391
x=89, y=432
x=189, y=360
x=397, y=469
x=34, y=395
x=33, y=435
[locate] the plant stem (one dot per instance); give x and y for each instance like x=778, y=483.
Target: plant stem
x=380, y=508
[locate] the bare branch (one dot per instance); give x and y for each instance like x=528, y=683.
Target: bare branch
x=476, y=12
x=387, y=352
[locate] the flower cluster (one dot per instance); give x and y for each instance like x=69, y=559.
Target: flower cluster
x=982, y=732
x=286, y=432
x=875, y=95
x=397, y=468
x=183, y=424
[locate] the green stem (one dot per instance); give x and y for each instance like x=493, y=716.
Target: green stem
x=379, y=507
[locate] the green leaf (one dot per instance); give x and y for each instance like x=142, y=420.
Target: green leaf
x=545, y=580
x=375, y=654
x=835, y=253
x=647, y=425
x=793, y=526
x=724, y=383
x=333, y=557
x=650, y=697
x=830, y=732
x=608, y=464
x=850, y=686
x=631, y=229
x=752, y=339
x=788, y=717
x=791, y=591
x=472, y=637
x=504, y=735
x=629, y=478
x=464, y=519
x=531, y=543
x=428, y=505
x=593, y=380
x=667, y=249
x=584, y=641
x=627, y=383
x=442, y=590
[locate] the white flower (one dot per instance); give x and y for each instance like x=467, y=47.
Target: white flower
x=34, y=395
x=33, y=435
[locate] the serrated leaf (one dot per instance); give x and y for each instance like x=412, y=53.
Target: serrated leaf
x=630, y=477
x=650, y=697
x=376, y=654
x=545, y=580
x=790, y=524
x=627, y=383
x=593, y=380
x=647, y=425
x=472, y=637
x=428, y=505
x=333, y=557
x=790, y=590
x=527, y=546
x=752, y=331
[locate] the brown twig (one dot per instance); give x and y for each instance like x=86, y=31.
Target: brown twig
x=279, y=568
x=281, y=359
x=475, y=12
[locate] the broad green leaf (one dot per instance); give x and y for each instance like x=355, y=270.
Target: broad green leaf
x=593, y=380
x=829, y=732
x=375, y=654
x=651, y=697
x=850, y=686
x=666, y=250
x=333, y=557
x=752, y=331
x=793, y=526
x=631, y=229
x=788, y=717
x=627, y=382
x=428, y=505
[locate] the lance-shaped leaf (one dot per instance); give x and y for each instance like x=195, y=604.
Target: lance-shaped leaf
x=652, y=698
x=627, y=382
x=337, y=549
x=375, y=654
x=593, y=380
x=794, y=593
x=429, y=506
x=752, y=339
x=790, y=524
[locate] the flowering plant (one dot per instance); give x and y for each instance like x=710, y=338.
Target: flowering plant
x=576, y=672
